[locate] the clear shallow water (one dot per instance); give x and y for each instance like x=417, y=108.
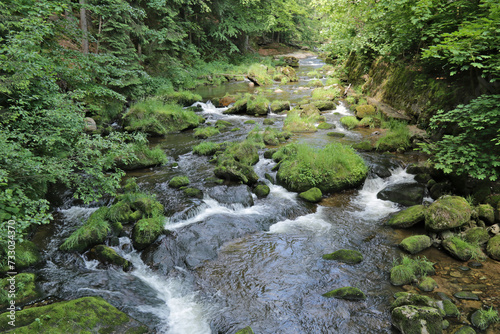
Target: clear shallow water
x=223, y=267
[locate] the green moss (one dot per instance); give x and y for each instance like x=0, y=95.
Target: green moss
x=315, y=83
x=261, y=191
x=411, y=319
x=93, y=232
x=278, y=106
x=246, y=330
x=402, y=275
x=193, y=192
x=493, y=247
x=142, y=156
x=396, y=139
x=325, y=126
x=205, y=132
x=179, y=181
x=446, y=213
x=477, y=236
x=409, y=269
x=25, y=289
x=145, y=203
x=250, y=121
x=350, y=122
x=349, y=293
x=336, y=134
x=413, y=299
x=260, y=75
x=146, y=231
x=295, y=123
x=312, y=195
x=326, y=93
x=467, y=295
x=363, y=146
x=221, y=124
x=156, y=118
x=486, y=213
x=345, y=255
x=268, y=121
x=182, y=97
x=120, y=212
x=84, y=315
x=482, y=319
x=408, y=217
x=462, y=249
x=324, y=105
x=365, y=110
x=334, y=168
x=258, y=105
x=428, y=284
x=450, y=309
x=27, y=254
x=416, y=243
x=206, y=148
x=108, y=255
x=245, y=152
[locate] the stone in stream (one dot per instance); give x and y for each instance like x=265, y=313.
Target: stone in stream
x=446, y=213
x=482, y=319
x=408, y=217
x=348, y=293
x=178, y=181
x=232, y=195
x=493, y=247
x=415, y=243
x=261, y=191
x=410, y=319
x=428, y=284
x=407, y=194
x=450, y=309
x=486, y=213
x=108, y=255
x=466, y=330
x=313, y=195
x=345, y=255
x=246, y=330
x=466, y=295
x=87, y=314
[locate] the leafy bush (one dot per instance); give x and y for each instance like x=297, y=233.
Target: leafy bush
x=472, y=143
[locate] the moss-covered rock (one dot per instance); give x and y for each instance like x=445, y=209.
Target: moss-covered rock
x=232, y=170
x=482, y=319
x=450, y=309
x=296, y=122
x=278, y=106
x=486, y=213
x=408, y=217
x=182, y=97
x=239, y=107
x=467, y=295
x=261, y=191
x=179, y=181
x=336, y=134
x=120, y=212
x=146, y=231
x=246, y=330
x=460, y=249
x=348, y=292
x=415, y=244
x=313, y=195
x=144, y=157
x=193, y=192
x=446, y=213
x=413, y=299
x=221, y=124
x=477, y=235
x=493, y=247
x=333, y=168
x=465, y=330
x=258, y=106
x=268, y=121
x=157, y=118
x=93, y=232
x=27, y=255
x=24, y=286
x=345, y=255
x=83, y=315
x=146, y=204
x=108, y=255
x=365, y=110
x=205, y=132
x=325, y=105
x=402, y=275
x=428, y=284
x=325, y=126
x=410, y=319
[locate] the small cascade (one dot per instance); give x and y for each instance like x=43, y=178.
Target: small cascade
x=181, y=313
x=313, y=222
x=209, y=107
x=372, y=208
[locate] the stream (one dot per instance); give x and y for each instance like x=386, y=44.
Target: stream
x=232, y=260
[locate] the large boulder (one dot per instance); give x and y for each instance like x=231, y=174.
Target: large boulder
x=232, y=195
x=407, y=194
x=446, y=213
x=83, y=315
x=493, y=247
x=365, y=110
x=460, y=249
x=486, y=213
x=410, y=319
x=408, y=217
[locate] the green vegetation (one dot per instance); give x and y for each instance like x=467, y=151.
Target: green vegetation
x=157, y=118
x=205, y=132
x=349, y=293
x=349, y=122
x=396, y=139
x=409, y=269
x=345, y=255
x=326, y=93
x=147, y=230
x=261, y=191
x=108, y=255
x=178, y=181
x=294, y=122
x=333, y=168
x=312, y=195
x=24, y=286
x=99, y=316
x=482, y=319
x=206, y=148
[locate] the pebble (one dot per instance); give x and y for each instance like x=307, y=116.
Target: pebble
x=466, y=295
x=475, y=264
x=464, y=268
x=455, y=274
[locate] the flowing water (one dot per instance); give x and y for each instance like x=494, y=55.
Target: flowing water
x=228, y=264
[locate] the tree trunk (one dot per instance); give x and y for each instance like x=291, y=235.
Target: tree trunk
x=83, y=25
x=98, y=35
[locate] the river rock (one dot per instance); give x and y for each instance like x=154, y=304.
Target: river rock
x=325, y=105
x=410, y=319
x=480, y=320
x=428, y=284
x=413, y=299
x=450, y=309
x=486, y=213
x=407, y=194
x=278, y=106
x=349, y=293
x=178, y=181
x=458, y=248
x=232, y=195
x=415, y=243
x=146, y=231
x=465, y=330
x=345, y=255
x=446, y=213
x=291, y=61
x=440, y=189
x=108, y=255
x=493, y=247
x=90, y=124
x=261, y=191
x=313, y=195
x=83, y=315
x=365, y=110
x=467, y=295
x=246, y=330
x=477, y=235
x=236, y=172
